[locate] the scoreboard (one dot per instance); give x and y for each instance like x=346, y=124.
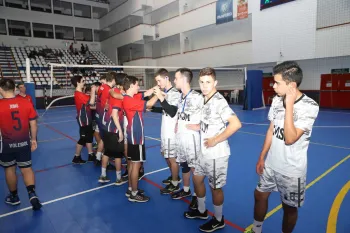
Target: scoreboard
x=271, y=3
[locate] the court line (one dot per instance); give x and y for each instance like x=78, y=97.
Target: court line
x=277, y=208
x=51, y=140
x=73, y=195
x=315, y=126
x=333, y=214
x=315, y=143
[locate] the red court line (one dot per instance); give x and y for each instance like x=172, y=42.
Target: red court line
x=188, y=202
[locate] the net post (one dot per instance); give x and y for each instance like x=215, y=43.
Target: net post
x=28, y=69
x=51, y=74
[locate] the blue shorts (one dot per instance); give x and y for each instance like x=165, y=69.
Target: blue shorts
x=22, y=158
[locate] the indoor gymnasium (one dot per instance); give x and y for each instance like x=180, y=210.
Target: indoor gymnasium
x=174, y=116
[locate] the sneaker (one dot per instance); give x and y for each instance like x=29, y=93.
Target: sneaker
x=110, y=167
x=12, y=199
x=121, y=181
x=128, y=192
x=91, y=158
x=125, y=174
x=138, y=198
x=34, y=200
x=78, y=160
x=170, y=188
x=181, y=194
x=194, y=203
x=169, y=179
x=213, y=225
x=97, y=163
x=103, y=179
x=249, y=231
x=196, y=214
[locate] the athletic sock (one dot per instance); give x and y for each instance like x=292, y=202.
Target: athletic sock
x=103, y=172
x=201, y=204
x=119, y=175
x=257, y=226
x=31, y=189
x=218, y=212
x=186, y=189
x=99, y=155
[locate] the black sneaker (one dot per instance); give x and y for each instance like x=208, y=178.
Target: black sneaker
x=196, y=214
x=34, y=200
x=170, y=188
x=138, y=198
x=97, y=163
x=12, y=199
x=213, y=225
x=125, y=174
x=194, y=203
x=110, y=167
x=128, y=192
x=169, y=179
x=181, y=194
x=78, y=160
x=121, y=181
x=92, y=157
x=141, y=174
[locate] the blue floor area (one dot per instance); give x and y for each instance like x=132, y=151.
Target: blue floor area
x=74, y=202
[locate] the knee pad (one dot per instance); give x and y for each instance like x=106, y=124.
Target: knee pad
x=185, y=167
x=82, y=141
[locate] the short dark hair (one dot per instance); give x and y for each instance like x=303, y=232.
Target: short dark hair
x=88, y=88
x=207, y=71
x=103, y=77
x=186, y=72
x=97, y=84
x=290, y=71
x=19, y=84
x=7, y=84
x=119, y=78
x=110, y=76
x=128, y=81
x=162, y=73
x=76, y=79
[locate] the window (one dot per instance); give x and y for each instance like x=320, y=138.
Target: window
x=19, y=28
x=83, y=11
x=64, y=33
x=41, y=5
x=43, y=30
x=21, y=4
x=62, y=7
x=83, y=34
x=3, y=30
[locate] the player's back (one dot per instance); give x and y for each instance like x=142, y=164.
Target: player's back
x=15, y=114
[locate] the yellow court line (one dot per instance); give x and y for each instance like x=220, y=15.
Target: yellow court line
x=333, y=214
x=308, y=186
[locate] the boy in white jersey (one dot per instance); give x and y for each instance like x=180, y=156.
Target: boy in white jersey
x=292, y=115
x=213, y=160
x=187, y=140
x=169, y=100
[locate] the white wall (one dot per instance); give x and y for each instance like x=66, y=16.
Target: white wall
x=41, y=17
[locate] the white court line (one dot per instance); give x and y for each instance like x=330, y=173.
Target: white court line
x=157, y=139
x=315, y=126
x=74, y=195
x=316, y=143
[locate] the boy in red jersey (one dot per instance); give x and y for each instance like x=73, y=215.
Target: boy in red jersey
x=134, y=106
x=84, y=118
x=22, y=92
x=16, y=115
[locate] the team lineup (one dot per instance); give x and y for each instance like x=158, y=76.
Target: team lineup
x=195, y=129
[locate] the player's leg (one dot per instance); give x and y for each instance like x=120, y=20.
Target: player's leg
x=118, y=155
x=292, y=190
x=173, y=182
x=266, y=185
x=82, y=141
x=24, y=162
x=109, y=144
x=138, y=155
x=216, y=171
x=89, y=140
x=8, y=162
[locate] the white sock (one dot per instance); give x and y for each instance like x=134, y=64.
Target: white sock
x=133, y=193
x=186, y=189
x=175, y=183
x=119, y=175
x=130, y=189
x=194, y=195
x=103, y=173
x=218, y=212
x=201, y=204
x=98, y=156
x=257, y=226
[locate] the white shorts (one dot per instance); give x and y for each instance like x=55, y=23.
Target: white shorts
x=125, y=124
x=214, y=169
x=187, y=148
x=291, y=189
x=167, y=147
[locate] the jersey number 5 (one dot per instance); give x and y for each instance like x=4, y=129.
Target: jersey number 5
x=18, y=126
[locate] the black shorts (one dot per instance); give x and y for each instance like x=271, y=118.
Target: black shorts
x=136, y=153
x=113, y=148
x=22, y=158
x=86, y=134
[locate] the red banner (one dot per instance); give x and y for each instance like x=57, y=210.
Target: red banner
x=242, y=9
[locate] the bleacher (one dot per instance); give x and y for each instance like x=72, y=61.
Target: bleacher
x=13, y=65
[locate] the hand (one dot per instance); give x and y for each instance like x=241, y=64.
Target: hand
x=260, y=166
x=148, y=92
x=34, y=145
x=158, y=93
x=194, y=127
x=121, y=136
x=210, y=142
x=291, y=95
x=93, y=89
x=122, y=92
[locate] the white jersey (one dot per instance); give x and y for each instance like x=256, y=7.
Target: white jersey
x=291, y=160
x=189, y=111
x=215, y=115
x=168, y=123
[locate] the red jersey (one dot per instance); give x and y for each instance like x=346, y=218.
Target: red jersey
x=27, y=97
x=84, y=115
x=15, y=114
x=114, y=103
x=134, y=108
